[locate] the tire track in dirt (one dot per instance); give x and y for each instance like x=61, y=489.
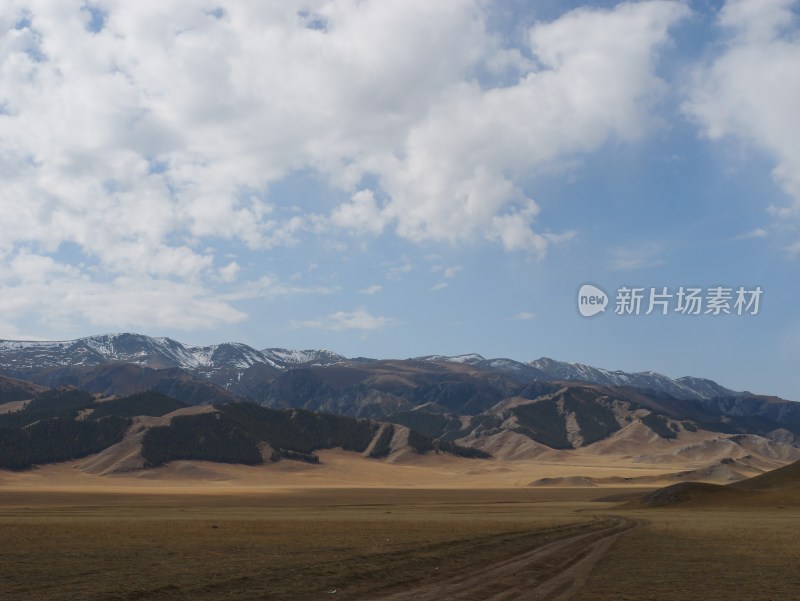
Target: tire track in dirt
x=552, y=572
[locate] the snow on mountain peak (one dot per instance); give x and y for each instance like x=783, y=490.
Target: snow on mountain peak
x=683, y=388
x=468, y=358
x=227, y=362
x=289, y=358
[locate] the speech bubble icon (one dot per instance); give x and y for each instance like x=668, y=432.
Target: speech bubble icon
x=591, y=300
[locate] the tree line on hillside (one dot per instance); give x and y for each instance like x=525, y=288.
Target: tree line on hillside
x=143, y=403
x=66, y=423
x=204, y=437
x=58, y=439
x=235, y=432
x=422, y=444
x=301, y=431
x=383, y=444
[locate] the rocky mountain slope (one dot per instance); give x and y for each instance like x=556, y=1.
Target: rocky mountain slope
x=151, y=429
x=222, y=362
x=563, y=423
x=508, y=409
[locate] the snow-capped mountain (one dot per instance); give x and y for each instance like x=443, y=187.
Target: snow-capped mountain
x=222, y=363
x=682, y=388
x=524, y=371
x=22, y=356
x=468, y=358
x=705, y=388
x=550, y=369
x=287, y=358
x=237, y=366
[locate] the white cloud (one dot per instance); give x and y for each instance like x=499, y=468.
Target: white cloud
x=794, y=249
x=161, y=134
x=11, y=332
x=524, y=316
x=359, y=319
x=120, y=303
x=646, y=255
x=449, y=273
x=758, y=232
x=751, y=89
x=374, y=289
x=361, y=213
x=396, y=272
x=269, y=287
x=454, y=175
x=230, y=272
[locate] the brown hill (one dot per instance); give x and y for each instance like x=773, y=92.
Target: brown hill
x=16, y=394
x=13, y=390
x=783, y=478
x=780, y=487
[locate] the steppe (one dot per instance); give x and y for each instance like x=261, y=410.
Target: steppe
x=437, y=527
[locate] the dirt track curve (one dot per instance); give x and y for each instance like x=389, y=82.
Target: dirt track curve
x=553, y=572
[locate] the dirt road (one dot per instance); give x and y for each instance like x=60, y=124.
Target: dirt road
x=553, y=572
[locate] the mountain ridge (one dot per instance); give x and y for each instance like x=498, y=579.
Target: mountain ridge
x=225, y=364
x=686, y=387
x=497, y=406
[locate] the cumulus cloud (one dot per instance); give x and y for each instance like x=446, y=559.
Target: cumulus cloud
x=361, y=213
x=139, y=134
x=122, y=302
x=338, y=321
x=230, y=272
x=751, y=89
x=455, y=175
x=374, y=289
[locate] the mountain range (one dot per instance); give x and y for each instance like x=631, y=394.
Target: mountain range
x=227, y=364
x=498, y=407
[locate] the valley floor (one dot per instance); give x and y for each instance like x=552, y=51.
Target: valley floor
x=344, y=469
x=380, y=543
x=306, y=545
x=702, y=554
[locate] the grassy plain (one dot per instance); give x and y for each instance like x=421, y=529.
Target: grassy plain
x=702, y=555
x=278, y=545
x=309, y=544
x=194, y=531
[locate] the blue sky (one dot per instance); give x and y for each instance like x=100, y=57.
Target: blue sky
x=399, y=178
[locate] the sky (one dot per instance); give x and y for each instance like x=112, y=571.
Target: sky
x=395, y=178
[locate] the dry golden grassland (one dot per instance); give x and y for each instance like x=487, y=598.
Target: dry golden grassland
x=363, y=543
x=303, y=545
x=702, y=555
